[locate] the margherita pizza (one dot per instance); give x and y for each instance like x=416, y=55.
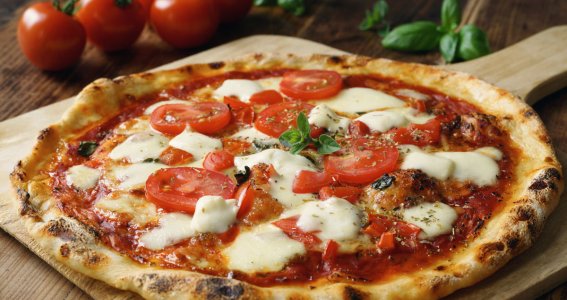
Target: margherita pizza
x=289, y=177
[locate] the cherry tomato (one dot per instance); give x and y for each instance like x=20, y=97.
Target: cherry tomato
x=363, y=166
x=358, y=129
x=218, y=160
x=278, y=118
x=290, y=228
x=245, y=196
x=242, y=113
x=184, y=23
x=147, y=5
x=311, y=84
x=266, y=97
x=204, y=117
x=174, y=157
x=310, y=182
x=349, y=193
x=418, y=134
x=112, y=25
x=233, y=10
x=49, y=38
x=178, y=189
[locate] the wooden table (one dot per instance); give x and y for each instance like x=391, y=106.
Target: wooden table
x=24, y=88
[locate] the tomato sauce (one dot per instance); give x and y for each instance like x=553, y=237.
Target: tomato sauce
x=475, y=205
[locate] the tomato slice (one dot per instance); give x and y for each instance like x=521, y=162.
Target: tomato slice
x=331, y=252
x=277, y=118
x=178, y=189
x=310, y=182
x=290, y=228
x=311, y=84
x=218, y=160
x=358, y=129
x=204, y=117
x=245, y=196
x=174, y=157
x=266, y=97
x=242, y=113
x=418, y=134
x=363, y=166
x=349, y=193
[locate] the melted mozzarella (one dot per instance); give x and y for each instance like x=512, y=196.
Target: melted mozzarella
x=413, y=115
x=263, y=249
x=82, y=177
x=241, y=88
x=324, y=117
x=141, y=210
x=153, y=107
x=432, y=165
x=140, y=146
x=136, y=125
x=353, y=100
x=214, y=214
x=134, y=176
x=383, y=121
x=252, y=134
x=434, y=219
x=195, y=143
x=412, y=94
x=478, y=168
x=271, y=83
x=287, y=165
x=491, y=152
x=173, y=228
x=333, y=219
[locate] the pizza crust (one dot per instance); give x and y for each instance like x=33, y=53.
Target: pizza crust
x=536, y=190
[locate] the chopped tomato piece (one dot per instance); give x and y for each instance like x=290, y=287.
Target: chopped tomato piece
x=178, y=189
x=419, y=105
x=204, y=117
x=418, y=134
x=316, y=131
x=311, y=84
x=174, y=157
x=245, y=196
x=363, y=166
x=331, y=252
x=278, y=118
x=242, y=113
x=376, y=228
x=235, y=147
x=358, y=129
x=229, y=235
x=310, y=182
x=266, y=97
x=386, y=241
x=290, y=228
x=349, y=193
x=218, y=160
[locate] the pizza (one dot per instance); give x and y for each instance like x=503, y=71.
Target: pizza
x=278, y=176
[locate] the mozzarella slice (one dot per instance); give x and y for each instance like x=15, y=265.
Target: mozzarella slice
x=134, y=176
x=140, y=146
x=286, y=165
x=214, y=214
x=195, y=143
x=434, y=166
x=133, y=126
x=478, y=168
x=383, y=121
x=150, y=109
x=412, y=94
x=324, y=117
x=413, y=115
x=82, y=177
x=271, y=83
x=241, y=88
x=434, y=219
x=491, y=152
x=173, y=228
x=141, y=210
x=252, y=134
x=263, y=249
x=333, y=219
x=357, y=99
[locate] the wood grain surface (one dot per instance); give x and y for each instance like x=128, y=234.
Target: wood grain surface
x=23, y=88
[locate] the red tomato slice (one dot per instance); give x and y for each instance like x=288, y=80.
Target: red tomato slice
x=290, y=228
x=358, y=129
x=178, y=189
x=310, y=182
x=218, y=160
x=349, y=193
x=278, y=118
x=362, y=167
x=311, y=84
x=174, y=157
x=418, y=134
x=204, y=117
x=266, y=97
x=242, y=113
x=331, y=252
x=245, y=196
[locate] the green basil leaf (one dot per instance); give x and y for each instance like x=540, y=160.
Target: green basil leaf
x=367, y=23
x=380, y=9
x=295, y=148
x=448, y=46
x=416, y=36
x=375, y=16
x=296, y=7
x=327, y=145
x=473, y=43
x=86, y=148
x=265, y=2
x=303, y=125
x=384, y=30
x=290, y=137
x=450, y=15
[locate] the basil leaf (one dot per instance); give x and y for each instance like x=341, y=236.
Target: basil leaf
x=375, y=16
x=473, y=43
x=450, y=15
x=290, y=137
x=448, y=46
x=296, y=7
x=295, y=148
x=383, y=182
x=303, y=125
x=368, y=22
x=384, y=30
x=265, y=2
x=416, y=36
x=86, y=148
x=327, y=145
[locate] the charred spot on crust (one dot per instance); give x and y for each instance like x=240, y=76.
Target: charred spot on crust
x=64, y=250
x=161, y=284
x=216, y=65
x=26, y=208
x=44, y=133
x=220, y=288
x=70, y=232
x=525, y=214
x=529, y=113
x=353, y=294
x=147, y=75
x=512, y=243
x=188, y=69
x=335, y=59
x=440, y=268
x=547, y=179
x=487, y=251
x=118, y=80
x=260, y=56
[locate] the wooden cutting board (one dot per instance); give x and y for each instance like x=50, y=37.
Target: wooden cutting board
x=531, y=69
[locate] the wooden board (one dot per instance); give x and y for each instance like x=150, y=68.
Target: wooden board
x=17, y=137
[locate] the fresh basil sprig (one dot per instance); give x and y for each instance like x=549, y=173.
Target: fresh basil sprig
x=468, y=43
x=296, y=139
x=296, y=7
x=375, y=18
